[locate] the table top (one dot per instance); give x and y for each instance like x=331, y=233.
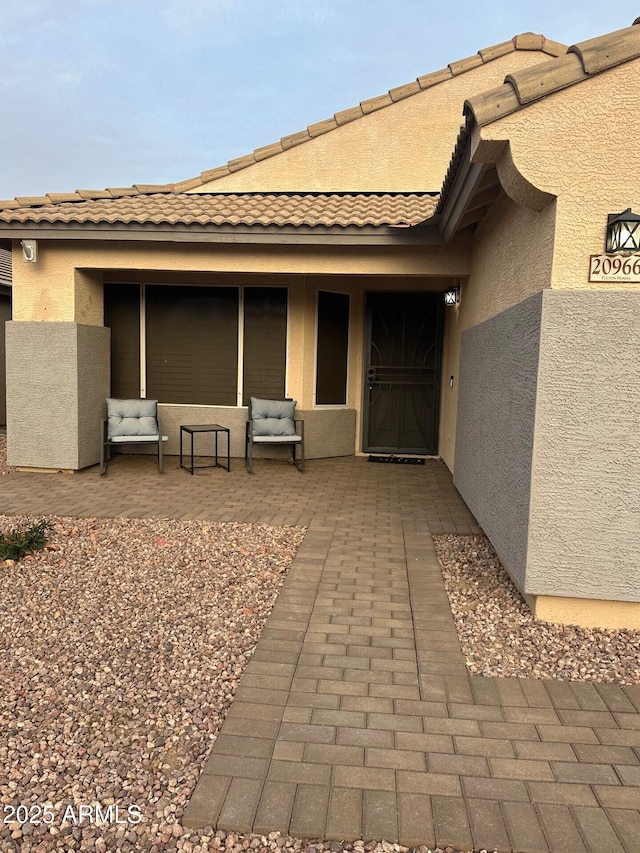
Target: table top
x=203, y=428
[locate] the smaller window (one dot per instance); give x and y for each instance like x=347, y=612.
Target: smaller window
x=333, y=345
x=122, y=316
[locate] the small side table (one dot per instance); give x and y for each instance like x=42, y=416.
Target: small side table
x=192, y=429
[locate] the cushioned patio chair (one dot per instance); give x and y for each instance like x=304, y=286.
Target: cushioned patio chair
x=273, y=422
x=133, y=421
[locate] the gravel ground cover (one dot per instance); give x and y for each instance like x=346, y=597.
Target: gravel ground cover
x=121, y=646
x=499, y=635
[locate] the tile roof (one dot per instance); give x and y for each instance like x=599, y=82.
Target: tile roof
x=525, y=41
x=280, y=209
x=580, y=62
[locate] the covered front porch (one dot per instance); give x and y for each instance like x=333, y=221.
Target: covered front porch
x=352, y=329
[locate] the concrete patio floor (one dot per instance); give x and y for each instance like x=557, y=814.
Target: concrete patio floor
x=356, y=716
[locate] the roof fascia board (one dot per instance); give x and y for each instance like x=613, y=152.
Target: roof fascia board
x=468, y=179
x=318, y=235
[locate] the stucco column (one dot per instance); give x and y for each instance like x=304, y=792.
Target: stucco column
x=57, y=381
x=58, y=357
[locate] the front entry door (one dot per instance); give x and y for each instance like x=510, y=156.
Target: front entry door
x=402, y=379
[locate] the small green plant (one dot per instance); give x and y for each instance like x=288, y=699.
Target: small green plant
x=16, y=544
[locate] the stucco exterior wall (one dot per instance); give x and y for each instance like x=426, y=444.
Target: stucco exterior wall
x=328, y=432
x=54, y=289
x=62, y=286
x=512, y=260
x=581, y=145
x=495, y=427
x=404, y=146
x=93, y=375
x=584, y=536
x=57, y=381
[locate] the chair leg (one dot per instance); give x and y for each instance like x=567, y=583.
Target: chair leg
x=160, y=454
x=249, y=456
x=103, y=466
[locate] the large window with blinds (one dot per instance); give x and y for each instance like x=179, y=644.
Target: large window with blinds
x=332, y=348
x=265, y=342
x=194, y=345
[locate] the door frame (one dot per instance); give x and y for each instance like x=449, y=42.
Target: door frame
x=437, y=392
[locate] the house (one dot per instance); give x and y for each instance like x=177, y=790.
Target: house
x=316, y=267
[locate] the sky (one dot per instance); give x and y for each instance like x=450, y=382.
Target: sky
x=110, y=93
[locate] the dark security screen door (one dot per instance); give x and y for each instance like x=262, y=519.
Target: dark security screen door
x=402, y=379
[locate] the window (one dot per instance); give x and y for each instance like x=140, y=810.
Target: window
x=187, y=339
x=332, y=348
x=192, y=344
x=122, y=315
x=265, y=342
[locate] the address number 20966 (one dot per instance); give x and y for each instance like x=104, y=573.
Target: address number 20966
x=615, y=268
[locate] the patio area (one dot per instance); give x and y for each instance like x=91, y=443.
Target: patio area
x=356, y=717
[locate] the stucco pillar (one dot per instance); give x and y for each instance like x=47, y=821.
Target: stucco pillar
x=58, y=361
x=57, y=381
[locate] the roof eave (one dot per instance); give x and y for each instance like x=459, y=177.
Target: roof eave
x=420, y=234
x=469, y=189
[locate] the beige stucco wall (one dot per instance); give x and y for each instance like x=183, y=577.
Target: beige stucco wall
x=64, y=285
x=581, y=145
x=566, y=458
x=512, y=260
x=402, y=147
x=54, y=289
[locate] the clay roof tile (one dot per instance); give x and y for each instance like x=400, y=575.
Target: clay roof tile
x=606, y=51
x=297, y=209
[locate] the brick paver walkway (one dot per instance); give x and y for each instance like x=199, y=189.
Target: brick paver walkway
x=356, y=716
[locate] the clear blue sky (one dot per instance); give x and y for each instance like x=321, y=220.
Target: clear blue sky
x=98, y=93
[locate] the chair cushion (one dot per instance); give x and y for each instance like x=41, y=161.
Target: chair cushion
x=132, y=439
x=273, y=417
x=132, y=417
x=277, y=439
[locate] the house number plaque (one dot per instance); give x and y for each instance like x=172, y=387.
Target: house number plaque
x=615, y=268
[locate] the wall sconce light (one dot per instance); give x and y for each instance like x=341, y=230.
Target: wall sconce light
x=623, y=232
x=29, y=250
x=452, y=295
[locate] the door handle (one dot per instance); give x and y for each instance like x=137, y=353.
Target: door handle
x=371, y=377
